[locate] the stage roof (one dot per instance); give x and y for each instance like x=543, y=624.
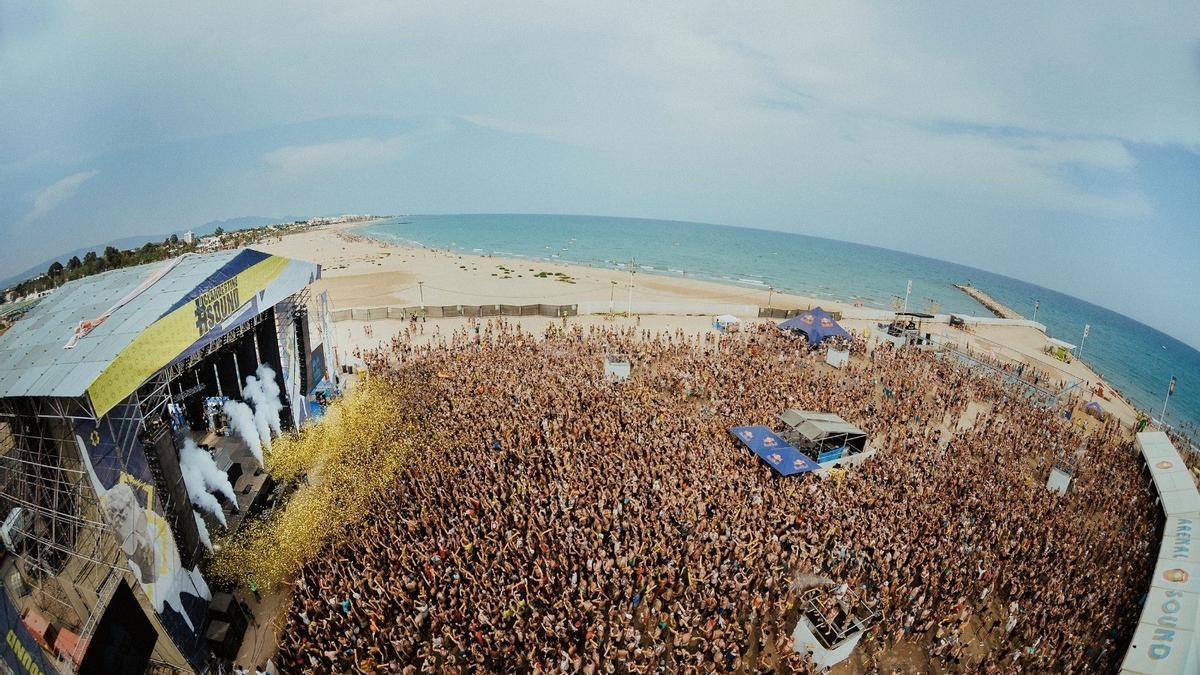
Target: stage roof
x=197, y=298
x=816, y=426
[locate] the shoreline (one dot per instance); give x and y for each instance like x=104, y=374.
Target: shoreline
x=359, y=271
x=728, y=284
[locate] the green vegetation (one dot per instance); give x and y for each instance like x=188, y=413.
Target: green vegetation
x=112, y=258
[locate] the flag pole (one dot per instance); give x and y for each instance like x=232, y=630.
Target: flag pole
x=1170, y=390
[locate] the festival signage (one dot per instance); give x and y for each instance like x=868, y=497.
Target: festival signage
x=773, y=450
x=20, y=654
x=248, y=284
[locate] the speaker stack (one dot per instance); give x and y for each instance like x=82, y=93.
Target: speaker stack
x=226, y=625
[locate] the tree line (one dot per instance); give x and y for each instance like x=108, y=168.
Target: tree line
x=110, y=258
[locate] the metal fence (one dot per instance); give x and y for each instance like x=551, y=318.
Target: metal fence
x=483, y=311
x=450, y=311
x=780, y=313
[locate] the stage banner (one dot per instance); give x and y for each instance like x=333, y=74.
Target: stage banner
x=326, y=327
x=116, y=464
x=20, y=653
x=289, y=359
x=247, y=285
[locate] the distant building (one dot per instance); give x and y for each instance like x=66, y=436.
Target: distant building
x=188, y=237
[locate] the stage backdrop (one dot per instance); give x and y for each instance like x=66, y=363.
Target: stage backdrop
x=116, y=464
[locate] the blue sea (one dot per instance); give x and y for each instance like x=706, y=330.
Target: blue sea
x=1134, y=357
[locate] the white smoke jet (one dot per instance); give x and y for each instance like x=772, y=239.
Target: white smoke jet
x=202, y=528
x=241, y=418
x=200, y=475
x=266, y=380
x=254, y=393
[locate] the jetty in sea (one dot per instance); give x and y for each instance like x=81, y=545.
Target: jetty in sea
x=992, y=305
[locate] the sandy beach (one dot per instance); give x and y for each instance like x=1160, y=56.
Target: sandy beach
x=359, y=272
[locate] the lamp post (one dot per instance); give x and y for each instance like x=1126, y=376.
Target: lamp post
x=770, y=294
x=611, y=292
x=1086, y=328
x=421, y=290
x=1036, y=305
x=907, y=293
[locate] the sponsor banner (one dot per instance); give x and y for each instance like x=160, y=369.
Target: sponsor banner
x=325, y=326
x=116, y=464
x=773, y=450
x=20, y=653
x=289, y=361
x=251, y=282
x=1181, y=539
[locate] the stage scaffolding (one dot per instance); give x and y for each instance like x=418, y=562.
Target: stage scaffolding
x=68, y=554
x=70, y=559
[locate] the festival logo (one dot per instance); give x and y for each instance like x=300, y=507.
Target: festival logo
x=1176, y=575
x=775, y=458
x=768, y=442
x=215, y=304
x=1165, y=465
x=798, y=464
x=748, y=435
x=807, y=318
x=826, y=323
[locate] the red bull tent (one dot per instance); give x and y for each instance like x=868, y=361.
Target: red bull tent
x=773, y=450
x=816, y=324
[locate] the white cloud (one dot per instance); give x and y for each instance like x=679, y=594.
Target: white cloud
x=303, y=159
x=47, y=199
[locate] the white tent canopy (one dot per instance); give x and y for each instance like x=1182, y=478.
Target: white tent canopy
x=1059, y=343
x=726, y=319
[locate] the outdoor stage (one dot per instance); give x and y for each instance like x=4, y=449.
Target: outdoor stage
x=104, y=388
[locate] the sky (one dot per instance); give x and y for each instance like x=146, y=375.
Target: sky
x=1058, y=143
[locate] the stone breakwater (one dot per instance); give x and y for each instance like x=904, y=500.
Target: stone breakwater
x=992, y=305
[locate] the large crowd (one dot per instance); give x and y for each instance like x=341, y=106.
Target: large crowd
x=569, y=523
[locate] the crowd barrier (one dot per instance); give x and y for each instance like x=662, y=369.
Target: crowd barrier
x=1166, y=640
x=451, y=311
x=676, y=308
x=780, y=313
